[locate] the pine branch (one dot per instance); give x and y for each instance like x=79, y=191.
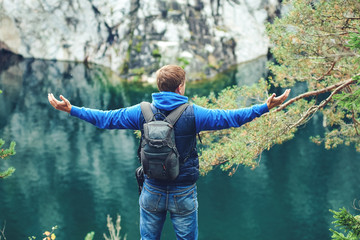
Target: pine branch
x=4, y=153
x=347, y=222
x=7, y=173
x=7, y=152
x=328, y=72
x=315, y=108
x=337, y=87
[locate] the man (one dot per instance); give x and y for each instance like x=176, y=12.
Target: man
x=179, y=196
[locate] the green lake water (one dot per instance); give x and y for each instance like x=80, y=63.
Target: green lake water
x=71, y=174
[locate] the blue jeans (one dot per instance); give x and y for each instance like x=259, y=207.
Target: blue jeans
x=179, y=201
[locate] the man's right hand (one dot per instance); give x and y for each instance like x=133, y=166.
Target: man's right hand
x=63, y=105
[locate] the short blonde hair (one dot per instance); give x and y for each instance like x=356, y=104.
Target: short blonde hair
x=170, y=77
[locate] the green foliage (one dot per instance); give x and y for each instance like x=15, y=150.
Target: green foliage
x=7, y=173
x=124, y=68
x=354, y=40
x=5, y=153
x=156, y=53
x=183, y=61
x=242, y=146
x=311, y=38
x=349, y=100
x=138, y=46
x=114, y=230
x=345, y=123
x=138, y=71
x=49, y=235
x=316, y=42
x=90, y=236
x=348, y=223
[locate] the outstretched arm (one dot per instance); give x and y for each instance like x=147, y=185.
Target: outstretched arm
x=217, y=119
x=123, y=118
x=63, y=105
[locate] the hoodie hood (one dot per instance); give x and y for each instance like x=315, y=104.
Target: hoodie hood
x=168, y=100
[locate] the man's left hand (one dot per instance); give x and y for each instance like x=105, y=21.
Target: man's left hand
x=274, y=101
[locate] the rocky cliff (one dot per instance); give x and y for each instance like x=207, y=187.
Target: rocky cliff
x=137, y=36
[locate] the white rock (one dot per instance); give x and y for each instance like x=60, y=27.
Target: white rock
x=99, y=30
x=186, y=54
x=9, y=34
x=168, y=51
x=160, y=25
x=209, y=48
x=149, y=8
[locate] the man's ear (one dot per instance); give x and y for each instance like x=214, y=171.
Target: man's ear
x=178, y=90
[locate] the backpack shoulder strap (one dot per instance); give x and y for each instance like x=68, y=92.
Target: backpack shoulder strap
x=146, y=111
x=176, y=113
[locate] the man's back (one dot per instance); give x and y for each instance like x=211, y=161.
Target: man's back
x=185, y=139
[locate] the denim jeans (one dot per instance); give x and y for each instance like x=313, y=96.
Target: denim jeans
x=179, y=201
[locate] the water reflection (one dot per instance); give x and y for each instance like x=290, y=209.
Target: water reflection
x=68, y=173
x=72, y=174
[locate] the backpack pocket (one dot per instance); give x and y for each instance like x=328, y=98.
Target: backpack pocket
x=162, y=166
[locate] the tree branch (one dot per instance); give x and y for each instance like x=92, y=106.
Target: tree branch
x=315, y=108
x=218, y=163
x=339, y=85
x=328, y=72
x=353, y=18
x=353, y=115
x=355, y=122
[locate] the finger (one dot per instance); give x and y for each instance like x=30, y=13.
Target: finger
x=286, y=94
x=65, y=100
x=54, y=99
x=55, y=103
x=288, y=91
x=62, y=98
x=272, y=97
x=51, y=99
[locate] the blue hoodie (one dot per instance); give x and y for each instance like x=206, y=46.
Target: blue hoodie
x=205, y=119
x=200, y=118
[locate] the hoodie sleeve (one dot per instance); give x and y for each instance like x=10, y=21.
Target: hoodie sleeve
x=124, y=118
x=216, y=119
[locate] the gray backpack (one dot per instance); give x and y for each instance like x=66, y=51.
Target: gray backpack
x=157, y=151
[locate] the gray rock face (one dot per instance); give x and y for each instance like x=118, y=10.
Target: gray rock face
x=138, y=36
